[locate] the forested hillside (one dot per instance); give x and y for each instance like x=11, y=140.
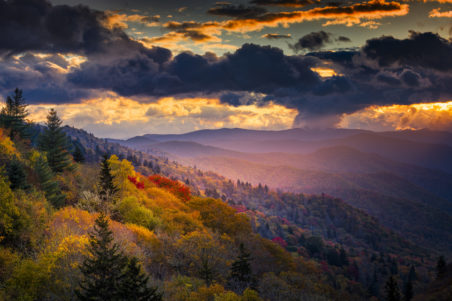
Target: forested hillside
x=76, y=209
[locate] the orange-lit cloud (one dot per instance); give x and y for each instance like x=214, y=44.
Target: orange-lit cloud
x=363, y=14
x=325, y=71
x=354, y=14
x=436, y=116
x=120, y=20
x=437, y=13
x=114, y=116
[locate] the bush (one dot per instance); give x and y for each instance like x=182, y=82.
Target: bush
x=131, y=211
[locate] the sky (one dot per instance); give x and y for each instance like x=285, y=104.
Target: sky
x=122, y=68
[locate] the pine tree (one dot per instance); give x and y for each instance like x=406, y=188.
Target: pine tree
x=16, y=175
x=103, y=270
x=241, y=275
x=408, y=291
x=412, y=274
x=78, y=154
x=134, y=284
x=107, y=189
x=441, y=267
x=13, y=115
x=48, y=184
x=392, y=290
x=54, y=142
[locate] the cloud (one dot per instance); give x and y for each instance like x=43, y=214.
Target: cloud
x=321, y=86
x=249, y=19
x=436, y=13
x=312, y=41
x=343, y=39
x=436, y=116
x=276, y=36
x=289, y=3
x=111, y=115
x=415, y=51
x=40, y=26
x=118, y=20
x=251, y=68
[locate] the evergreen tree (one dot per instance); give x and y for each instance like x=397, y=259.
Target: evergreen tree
x=16, y=175
x=107, y=189
x=344, y=257
x=241, y=275
x=48, y=184
x=441, y=267
x=54, y=142
x=12, y=116
x=134, y=284
x=78, y=154
x=392, y=290
x=408, y=291
x=412, y=274
x=103, y=270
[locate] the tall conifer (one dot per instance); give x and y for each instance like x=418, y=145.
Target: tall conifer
x=54, y=142
x=103, y=269
x=392, y=290
x=134, y=285
x=12, y=116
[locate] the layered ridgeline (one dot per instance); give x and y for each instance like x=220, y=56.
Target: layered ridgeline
x=345, y=241
x=195, y=234
x=397, y=177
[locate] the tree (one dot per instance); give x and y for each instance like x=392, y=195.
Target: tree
x=392, y=290
x=134, y=285
x=441, y=267
x=10, y=222
x=408, y=291
x=54, y=142
x=103, y=269
x=48, y=184
x=241, y=274
x=78, y=154
x=107, y=189
x=16, y=175
x=13, y=115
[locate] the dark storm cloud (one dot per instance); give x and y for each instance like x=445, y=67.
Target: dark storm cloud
x=312, y=41
x=251, y=68
x=39, y=78
x=237, y=11
x=384, y=71
x=425, y=50
x=38, y=25
x=290, y=3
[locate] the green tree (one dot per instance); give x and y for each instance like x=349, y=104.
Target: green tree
x=12, y=116
x=408, y=291
x=54, y=142
x=134, y=285
x=392, y=290
x=78, y=155
x=107, y=188
x=16, y=175
x=441, y=267
x=241, y=274
x=10, y=222
x=48, y=184
x=103, y=269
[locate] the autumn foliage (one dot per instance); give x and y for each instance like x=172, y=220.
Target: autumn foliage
x=176, y=188
x=135, y=181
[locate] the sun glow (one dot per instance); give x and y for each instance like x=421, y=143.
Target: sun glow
x=115, y=116
x=436, y=115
